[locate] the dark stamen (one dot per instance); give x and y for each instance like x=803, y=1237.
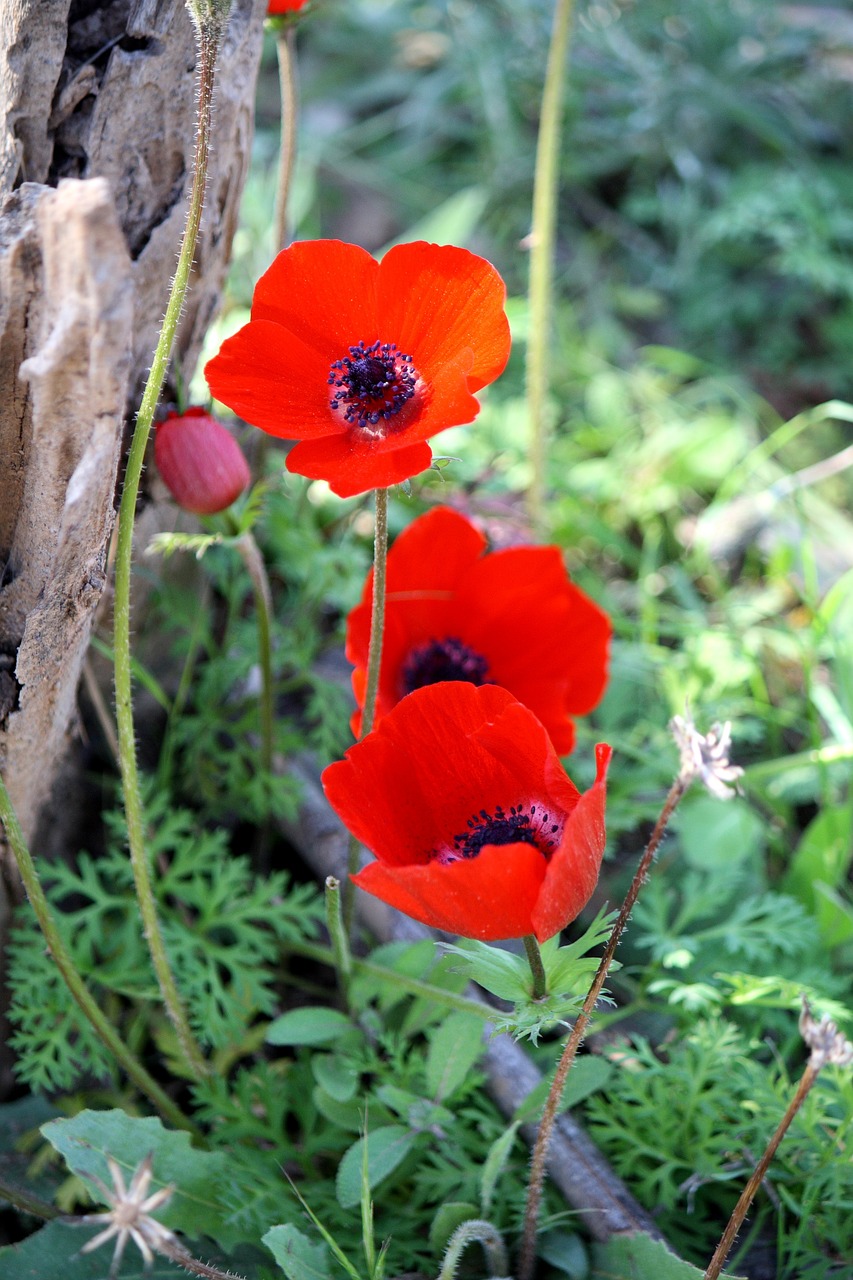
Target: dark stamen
x=516, y=827
x=373, y=383
x=447, y=659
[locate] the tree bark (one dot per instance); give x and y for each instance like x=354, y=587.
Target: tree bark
x=97, y=113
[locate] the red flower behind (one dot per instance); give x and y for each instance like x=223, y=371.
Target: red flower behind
x=284, y=6
x=202, y=465
x=476, y=828
x=362, y=361
x=456, y=612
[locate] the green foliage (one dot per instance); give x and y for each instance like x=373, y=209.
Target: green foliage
x=224, y=929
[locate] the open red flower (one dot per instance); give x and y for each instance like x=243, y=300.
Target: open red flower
x=362, y=361
x=201, y=463
x=456, y=612
x=476, y=828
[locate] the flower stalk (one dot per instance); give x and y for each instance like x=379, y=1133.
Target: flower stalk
x=256, y=569
x=285, y=45
x=338, y=935
x=537, y=969
x=131, y=1065
x=209, y=35
x=827, y=1046
x=476, y=1230
x=374, y=662
x=542, y=241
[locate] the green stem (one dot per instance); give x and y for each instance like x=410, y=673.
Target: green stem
x=208, y=49
x=256, y=569
x=527, y=1254
x=26, y=1202
x=286, y=49
x=338, y=935
x=542, y=238
x=374, y=662
x=475, y=1230
x=71, y=975
x=537, y=968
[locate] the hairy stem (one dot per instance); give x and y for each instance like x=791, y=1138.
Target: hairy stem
x=527, y=1256
x=256, y=569
x=741, y=1209
x=208, y=48
x=542, y=237
x=72, y=977
x=338, y=936
x=286, y=49
x=534, y=959
x=374, y=661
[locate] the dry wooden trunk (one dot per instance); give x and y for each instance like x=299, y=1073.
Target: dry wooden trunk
x=97, y=113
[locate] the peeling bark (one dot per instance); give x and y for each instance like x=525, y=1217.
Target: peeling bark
x=97, y=114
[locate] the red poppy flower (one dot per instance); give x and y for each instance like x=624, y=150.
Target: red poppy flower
x=201, y=463
x=284, y=6
x=455, y=612
x=476, y=828
x=362, y=361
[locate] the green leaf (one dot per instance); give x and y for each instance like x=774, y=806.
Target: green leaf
x=719, y=834
x=566, y=1252
x=298, y=1257
x=53, y=1253
x=337, y=1076
x=387, y=1147
x=493, y=1165
x=454, y=1048
x=450, y=1216
x=637, y=1257
x=308, y=1026
x=588, y=1075
x=195, y=1208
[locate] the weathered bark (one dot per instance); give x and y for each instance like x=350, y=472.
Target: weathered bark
x=97, y=113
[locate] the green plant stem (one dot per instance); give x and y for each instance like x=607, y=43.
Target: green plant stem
x=72, y=977
x=374, y=662
x=26, y=1202
x=741, y=1209
x=414, y=986
x=475, y=1230
x=338, y=935
x=256, y=569
x=542, y=238
x=285, y=45
x=527, y=1255
x=534, y=959
x=208, y=49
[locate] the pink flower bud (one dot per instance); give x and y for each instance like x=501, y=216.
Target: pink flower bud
x=201, y=464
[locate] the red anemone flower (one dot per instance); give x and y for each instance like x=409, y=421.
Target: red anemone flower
x=362, y=361
x=202, y=465
x=284, y=6
x=456, y=612
x=476, y=828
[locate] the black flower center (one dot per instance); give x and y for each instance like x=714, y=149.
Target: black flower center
x=372, y=384
x=447, y=659
x=522, y=825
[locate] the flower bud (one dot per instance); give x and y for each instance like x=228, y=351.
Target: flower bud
x=201, y=463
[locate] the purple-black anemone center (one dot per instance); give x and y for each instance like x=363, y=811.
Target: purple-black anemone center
x=372, y=384
x=522, y=825
x=447, y=659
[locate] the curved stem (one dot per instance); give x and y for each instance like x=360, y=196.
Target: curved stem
x=534, y=959
x=208, y=49
x=256, y=569
x=285, y=45
x=374, y=662
x=542, y=236
x=72, y=977
x=527, y=1255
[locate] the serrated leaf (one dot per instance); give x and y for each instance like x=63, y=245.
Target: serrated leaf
x=637, y=1257
x=454, y=1048
x=493, y=1165
x=195, y=1210
x=387, y=1147
x=53, y=1253
x=298, y=1257
x=313, y=1025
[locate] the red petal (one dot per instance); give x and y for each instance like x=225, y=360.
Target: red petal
x=324, y=292
x=276, y=382
x=440, y=301
x=573, y=870
x=352, y=467
x=488, y=897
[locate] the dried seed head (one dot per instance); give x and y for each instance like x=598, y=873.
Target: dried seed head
x=129, y=1217
x=828, y=1046
x=706, y=756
